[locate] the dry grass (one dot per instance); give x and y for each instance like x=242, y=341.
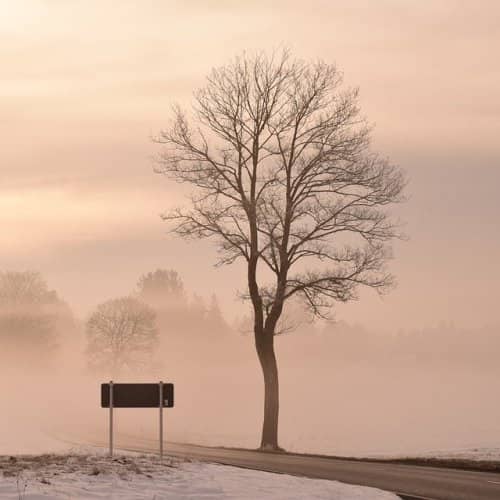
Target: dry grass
x=44, y=467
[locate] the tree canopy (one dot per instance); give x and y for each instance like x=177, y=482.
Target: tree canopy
x=278, y=157
x=121, y=335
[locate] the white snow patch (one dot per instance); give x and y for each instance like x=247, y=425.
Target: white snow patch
x=477, y=454
x=480, y=453
x=143, y=477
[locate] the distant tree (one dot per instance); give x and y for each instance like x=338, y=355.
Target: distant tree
x=197, y=306
x=24, y=288
x=31, y=316
x=121, y=335
x=161, y=287
x=214, y=319
x=283, y=179
x=214, y=311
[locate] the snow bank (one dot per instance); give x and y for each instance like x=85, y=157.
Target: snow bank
x=140, y=477
x=491, y=454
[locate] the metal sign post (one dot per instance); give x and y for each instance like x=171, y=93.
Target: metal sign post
x=110, y=418
x=161, y=420
x=158, y=395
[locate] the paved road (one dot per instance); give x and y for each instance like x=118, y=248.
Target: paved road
x=409, y=481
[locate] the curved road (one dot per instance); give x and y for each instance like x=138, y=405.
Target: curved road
x=407, y=481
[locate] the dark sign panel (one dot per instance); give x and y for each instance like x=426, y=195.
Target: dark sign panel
x=137, y=395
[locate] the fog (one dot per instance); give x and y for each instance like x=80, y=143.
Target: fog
x=85, y=85
x=345, y=389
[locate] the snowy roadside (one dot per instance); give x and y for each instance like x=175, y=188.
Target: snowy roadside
x=475, y=454
x=143, y=477
x=479, y=454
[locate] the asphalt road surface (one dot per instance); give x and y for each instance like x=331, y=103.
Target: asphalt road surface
x=407, y=481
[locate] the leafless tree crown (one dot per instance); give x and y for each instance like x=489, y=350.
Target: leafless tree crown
x=121, y=335
x=24, y=288
x=279, y=156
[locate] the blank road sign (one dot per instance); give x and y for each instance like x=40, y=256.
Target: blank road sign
x=138, y=395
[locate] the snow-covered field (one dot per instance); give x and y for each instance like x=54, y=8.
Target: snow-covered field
x=141, y=477
x=478, y=454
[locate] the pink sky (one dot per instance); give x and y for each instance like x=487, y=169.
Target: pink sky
x=84, y=83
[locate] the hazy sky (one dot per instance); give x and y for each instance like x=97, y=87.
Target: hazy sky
x=84, y=83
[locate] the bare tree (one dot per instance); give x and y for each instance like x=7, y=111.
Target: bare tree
x=285, y=180
x=121, y=336
x=32, y=317
x=161, y=286
x=24, y=288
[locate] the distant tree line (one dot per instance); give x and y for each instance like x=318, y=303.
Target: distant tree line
x=128, y=333
x=159, y=325
x=32, y=319
x=125, y=334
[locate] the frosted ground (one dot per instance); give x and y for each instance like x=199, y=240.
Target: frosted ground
x=477, y=454
x=87, y=473
x=143, y=477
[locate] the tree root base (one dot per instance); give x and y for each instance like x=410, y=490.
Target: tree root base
x=269, y=448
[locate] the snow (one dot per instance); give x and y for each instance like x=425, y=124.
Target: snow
x=143, y=477
x=490, y=454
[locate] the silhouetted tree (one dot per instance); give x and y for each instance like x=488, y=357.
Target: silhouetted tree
x=121, y=336
x=214, y=309
x=31, y=317
x=284, y=179
x=215, y=319
x=161, y=287
x=22, y=288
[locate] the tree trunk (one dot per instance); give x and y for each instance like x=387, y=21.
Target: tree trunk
x=264, y=343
